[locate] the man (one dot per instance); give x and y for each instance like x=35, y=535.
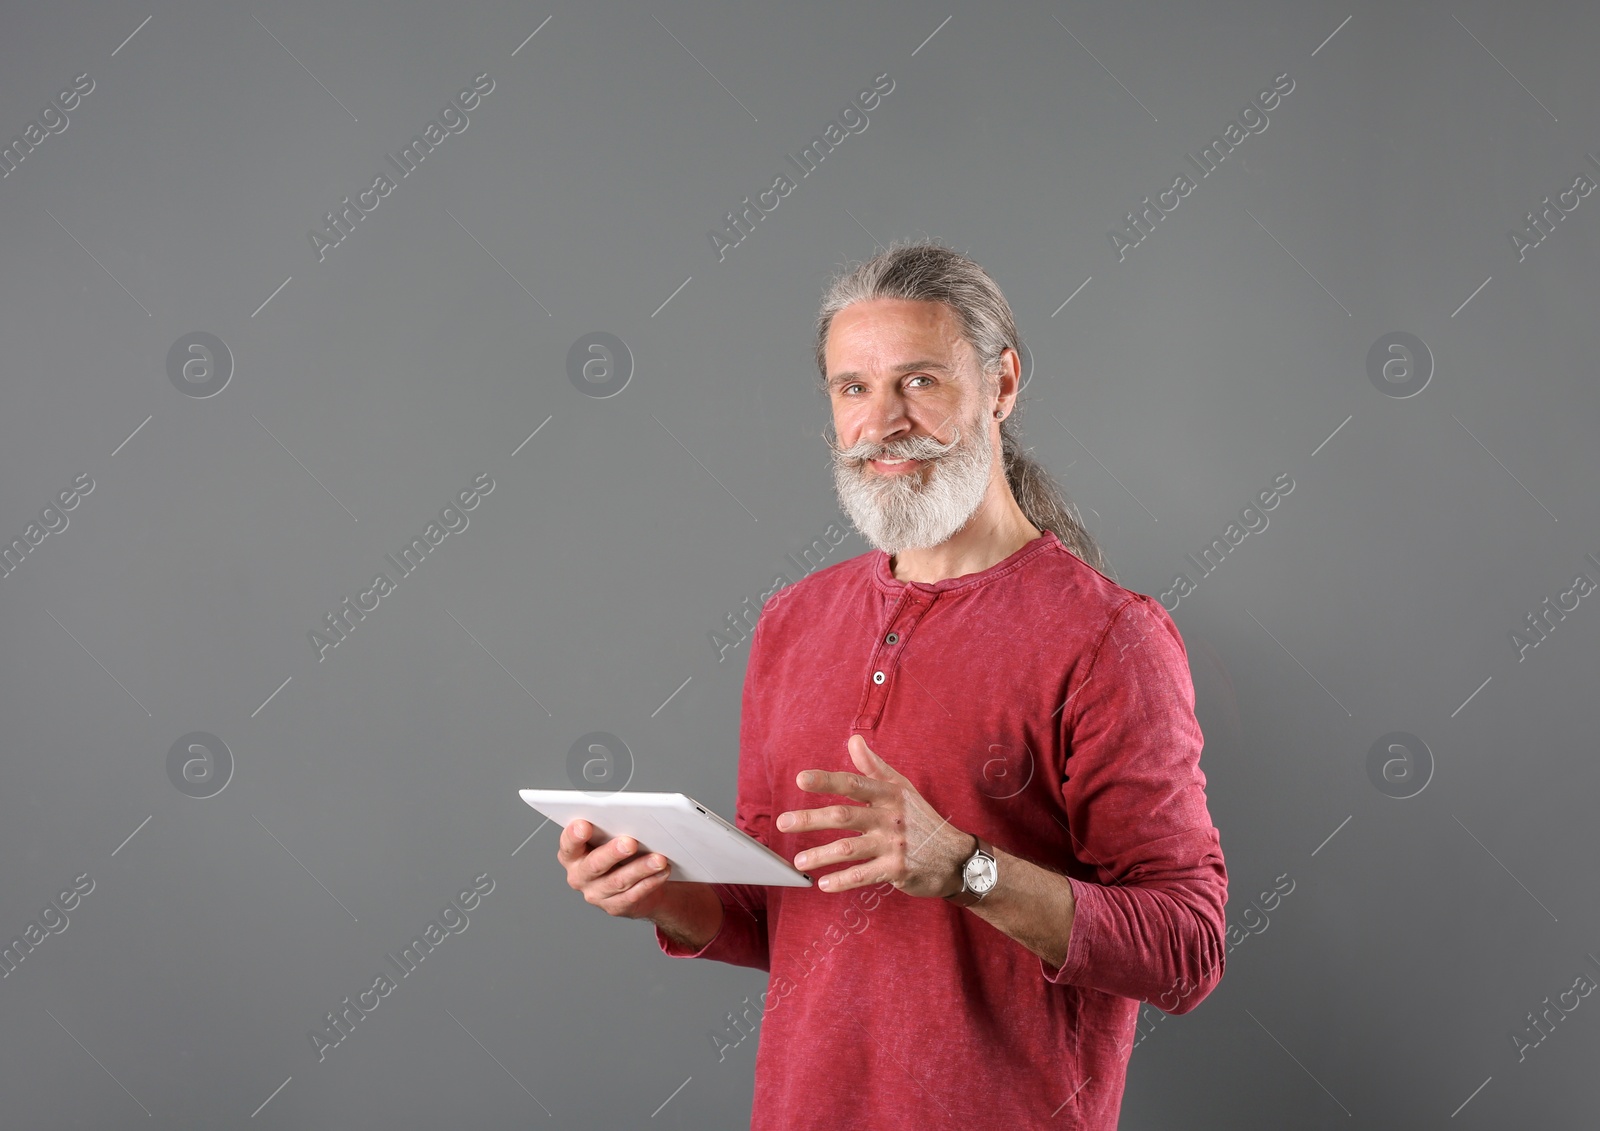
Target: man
x=984, y=748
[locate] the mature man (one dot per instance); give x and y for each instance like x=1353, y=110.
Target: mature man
x=1019, y=851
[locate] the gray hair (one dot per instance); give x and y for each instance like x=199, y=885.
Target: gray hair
x=928, y=272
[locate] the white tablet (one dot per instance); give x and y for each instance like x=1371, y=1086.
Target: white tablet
x=699, y=845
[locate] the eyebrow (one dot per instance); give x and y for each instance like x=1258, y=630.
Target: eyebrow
x=904, y=367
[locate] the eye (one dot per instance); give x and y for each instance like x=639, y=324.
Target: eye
x=844, y=390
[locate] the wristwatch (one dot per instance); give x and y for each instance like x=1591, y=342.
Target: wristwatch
x=978, y=876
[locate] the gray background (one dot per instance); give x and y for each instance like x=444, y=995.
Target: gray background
x=370, y=387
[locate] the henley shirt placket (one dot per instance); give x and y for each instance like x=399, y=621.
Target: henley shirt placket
x=908, y=610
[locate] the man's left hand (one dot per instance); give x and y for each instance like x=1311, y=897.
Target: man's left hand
x=900, y=838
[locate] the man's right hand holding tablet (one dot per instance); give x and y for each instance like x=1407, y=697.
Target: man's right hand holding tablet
x=620, y=881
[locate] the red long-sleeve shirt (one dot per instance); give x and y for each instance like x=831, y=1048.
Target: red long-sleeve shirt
x=1050, y=711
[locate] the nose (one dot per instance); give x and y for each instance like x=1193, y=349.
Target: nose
x=882, y=417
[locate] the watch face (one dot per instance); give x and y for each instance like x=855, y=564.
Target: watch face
x=981, y=874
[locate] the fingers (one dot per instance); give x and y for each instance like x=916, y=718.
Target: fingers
x=855, y=786
x=619, y=888
x=574, y=845
x=847, y=878
x=845, y=848
x=613, y=876
x=828, y=817
x=574, y=842
x=602, y=860
x=574, y=848
x=635, y=901
x=584, y=864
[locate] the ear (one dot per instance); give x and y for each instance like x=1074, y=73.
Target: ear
x=1008, y=381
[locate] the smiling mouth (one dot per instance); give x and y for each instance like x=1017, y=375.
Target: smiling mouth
x=895, y=466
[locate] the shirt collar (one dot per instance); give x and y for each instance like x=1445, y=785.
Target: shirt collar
x=887, y=582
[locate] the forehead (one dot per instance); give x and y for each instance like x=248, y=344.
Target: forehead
x=885, y=333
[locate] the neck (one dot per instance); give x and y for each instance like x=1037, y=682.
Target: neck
x=996, y=530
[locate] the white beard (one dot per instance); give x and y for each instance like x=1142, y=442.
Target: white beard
x=920, y=509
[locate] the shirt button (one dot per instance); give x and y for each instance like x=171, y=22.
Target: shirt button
x=878, y=677
x=892, y=638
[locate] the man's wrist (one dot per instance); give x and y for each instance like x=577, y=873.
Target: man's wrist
x=693, y=919
x=960, y=870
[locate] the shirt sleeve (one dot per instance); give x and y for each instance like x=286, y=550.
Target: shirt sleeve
x=742, y=939
x=1151, y=926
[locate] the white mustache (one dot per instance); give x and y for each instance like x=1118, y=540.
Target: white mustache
x=918, y=448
